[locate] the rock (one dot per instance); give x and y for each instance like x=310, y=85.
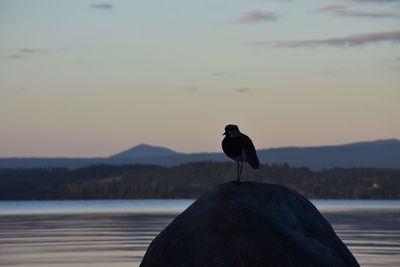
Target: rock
x=249, y=224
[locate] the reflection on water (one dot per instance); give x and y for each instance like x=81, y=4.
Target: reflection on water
x=121, y=239
x=373, y=236
x=77, y=239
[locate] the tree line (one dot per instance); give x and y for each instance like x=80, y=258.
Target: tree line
x=191, y=180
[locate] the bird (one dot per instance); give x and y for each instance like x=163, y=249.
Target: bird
x=240, y=148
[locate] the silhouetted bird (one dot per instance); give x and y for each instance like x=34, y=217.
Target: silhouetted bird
x=240, y=148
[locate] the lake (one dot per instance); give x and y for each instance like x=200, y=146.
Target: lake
x=77, y=233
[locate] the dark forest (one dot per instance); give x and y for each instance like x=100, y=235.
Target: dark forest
x=191, y=180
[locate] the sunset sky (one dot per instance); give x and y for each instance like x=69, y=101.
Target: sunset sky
x=92, y=78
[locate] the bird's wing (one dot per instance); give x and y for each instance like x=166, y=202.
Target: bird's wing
x=250, y=151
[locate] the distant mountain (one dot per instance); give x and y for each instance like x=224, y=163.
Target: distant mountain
x=378, y=154
x=144, y=151
x=385, y=142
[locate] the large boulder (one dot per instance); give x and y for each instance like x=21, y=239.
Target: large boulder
x=249, y=224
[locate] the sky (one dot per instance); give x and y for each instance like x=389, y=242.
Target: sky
x=91, y=78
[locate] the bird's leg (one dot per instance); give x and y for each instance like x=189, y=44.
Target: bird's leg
x=238, y=171
x=241, y=168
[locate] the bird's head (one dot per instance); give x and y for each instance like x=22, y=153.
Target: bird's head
x=231, y=130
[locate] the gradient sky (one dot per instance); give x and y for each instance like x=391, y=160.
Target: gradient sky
x=92, y=78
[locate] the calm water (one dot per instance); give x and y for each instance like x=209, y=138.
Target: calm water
x=117, y=232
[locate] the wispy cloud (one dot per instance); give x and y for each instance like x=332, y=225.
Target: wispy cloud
x=378, y=1
x=242, y=90
x=22, y=53
x=344, y=11
x=14, y=56
x=28, y=50
x=257, y=17
x=101, y=6
x=330, y=8
x=350, y=13
x=352, y=40
x=220, y=74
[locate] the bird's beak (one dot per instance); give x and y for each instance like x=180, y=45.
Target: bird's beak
x=224, y=134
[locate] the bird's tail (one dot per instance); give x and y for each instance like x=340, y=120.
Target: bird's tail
x=255, y=164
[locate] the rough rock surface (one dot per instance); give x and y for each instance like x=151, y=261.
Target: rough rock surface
x=249, y=224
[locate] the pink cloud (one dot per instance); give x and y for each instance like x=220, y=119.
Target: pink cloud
x=343, y=11
x=349, y=13
x=352, y=40
x=330, y=8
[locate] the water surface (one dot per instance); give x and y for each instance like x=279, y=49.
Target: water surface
x=117, y=232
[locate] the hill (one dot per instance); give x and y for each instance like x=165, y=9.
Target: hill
x=376, y=154
x=144, y=151
x=381, y=153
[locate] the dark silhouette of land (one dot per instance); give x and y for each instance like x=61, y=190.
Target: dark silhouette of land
x=376, y=154
x=190, y=180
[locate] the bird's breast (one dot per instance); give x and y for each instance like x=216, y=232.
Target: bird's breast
x=232, y=147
